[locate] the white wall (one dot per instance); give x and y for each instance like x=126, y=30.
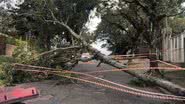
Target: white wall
x=173, y=48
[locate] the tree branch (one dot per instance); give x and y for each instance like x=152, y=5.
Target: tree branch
x=172, y=15
x=58, y=50
x=52, y=15
x=116, y=24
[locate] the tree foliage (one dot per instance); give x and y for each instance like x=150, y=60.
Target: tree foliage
x=141, y=20
x=6, y=21
x=33, y=14
x=177, y=24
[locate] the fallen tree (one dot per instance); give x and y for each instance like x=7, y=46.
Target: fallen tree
x=171, y=87
x=175, y=89
x=57, y=51
x=67, y=56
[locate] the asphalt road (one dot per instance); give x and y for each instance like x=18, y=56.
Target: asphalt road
x=83, y=93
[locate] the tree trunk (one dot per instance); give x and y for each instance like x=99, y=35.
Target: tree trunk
x=48, y=42
x=153, y=63
x=173, y=88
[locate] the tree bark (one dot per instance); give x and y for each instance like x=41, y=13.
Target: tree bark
x=154, y=64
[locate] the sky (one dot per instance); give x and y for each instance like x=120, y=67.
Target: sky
x=98, y=45
x=11, y=3
x=94, y=21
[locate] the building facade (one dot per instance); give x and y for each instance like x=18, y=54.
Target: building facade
x=174, y=48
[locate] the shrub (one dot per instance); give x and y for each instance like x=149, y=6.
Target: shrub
x=2, y=76
x=11, y=40
x=23, y=53
x=6, y=76
x=5, y=59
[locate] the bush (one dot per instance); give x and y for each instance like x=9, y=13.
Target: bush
x=5, y=59
x=23, y=53
x=2, y=76
x=7, y=74
x=11, y=40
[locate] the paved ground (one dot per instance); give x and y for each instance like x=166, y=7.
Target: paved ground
x=82, y=93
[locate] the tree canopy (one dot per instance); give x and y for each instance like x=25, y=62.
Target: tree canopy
x=32, y=17
x=140, y=22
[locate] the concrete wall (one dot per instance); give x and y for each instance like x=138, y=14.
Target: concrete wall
x=5, y=49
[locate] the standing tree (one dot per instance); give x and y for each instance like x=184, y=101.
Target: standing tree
x=140, y=20
x=6, y=19
x=32, y=16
